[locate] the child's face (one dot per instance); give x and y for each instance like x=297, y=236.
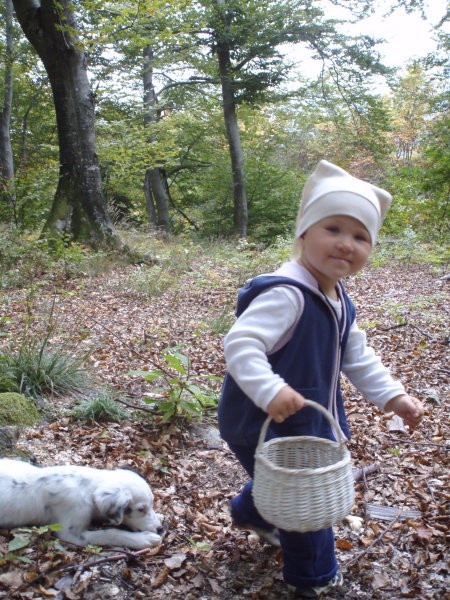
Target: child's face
x=334, y=248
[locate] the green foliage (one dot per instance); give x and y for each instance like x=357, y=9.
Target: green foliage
x=414, y=210
x=401, y=143
x=173, y=259
x=101, y=406
x=39, y=371
x=221, y=321
x=24, y=258
x=409, y=248
x=436, y=178
x=28, y=537
x=178, y=393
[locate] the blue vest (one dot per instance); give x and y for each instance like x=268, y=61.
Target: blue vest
x=306, y=362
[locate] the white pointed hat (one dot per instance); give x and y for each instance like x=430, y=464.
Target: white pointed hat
x=331, y=191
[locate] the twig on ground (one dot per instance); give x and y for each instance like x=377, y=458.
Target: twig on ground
x=134, y=407
x=361, y=473
x=375, y=541
x=124, y=555
x=130, y=348
x=408, y=324
x=434, y=444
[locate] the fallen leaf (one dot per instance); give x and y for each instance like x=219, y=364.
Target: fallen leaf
x=11, y=579
x=424, y=534
x=160, y=578
x=380, y=580
x=175, y=561
x=343, y=544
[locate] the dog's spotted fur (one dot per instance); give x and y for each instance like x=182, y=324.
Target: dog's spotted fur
x=77, y=498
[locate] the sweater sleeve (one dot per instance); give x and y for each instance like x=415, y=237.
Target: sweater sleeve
x=268, y=318
x=366, y=371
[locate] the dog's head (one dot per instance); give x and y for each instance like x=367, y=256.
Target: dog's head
x=128, y=501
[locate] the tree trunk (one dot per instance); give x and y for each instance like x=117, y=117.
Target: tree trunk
x=156, y=198
x=154, y=185
x=240, y=217
x=79, y=207
x=6, y=153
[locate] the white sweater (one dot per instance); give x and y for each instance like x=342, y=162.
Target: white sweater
x=266, y=320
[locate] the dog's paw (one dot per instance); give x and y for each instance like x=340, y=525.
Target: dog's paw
x=148, y=539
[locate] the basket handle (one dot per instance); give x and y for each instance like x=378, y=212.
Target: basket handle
x=326, y=413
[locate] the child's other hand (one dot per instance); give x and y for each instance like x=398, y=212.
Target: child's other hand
x=410, y=409
x=286, y=403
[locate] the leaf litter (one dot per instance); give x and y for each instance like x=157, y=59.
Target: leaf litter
x=194, y=475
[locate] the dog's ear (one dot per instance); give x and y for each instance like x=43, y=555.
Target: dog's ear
x=111, y=503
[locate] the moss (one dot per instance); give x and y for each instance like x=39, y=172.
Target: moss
x=7, y=384
x=16, y=409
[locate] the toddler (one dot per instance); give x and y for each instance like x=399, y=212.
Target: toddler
x=295, y=332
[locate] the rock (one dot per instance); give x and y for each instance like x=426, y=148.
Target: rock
x=8, y=438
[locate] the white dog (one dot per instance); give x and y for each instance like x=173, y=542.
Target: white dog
x=76, y=497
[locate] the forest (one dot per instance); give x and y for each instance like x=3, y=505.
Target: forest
x=193, y=120
x=152, y=158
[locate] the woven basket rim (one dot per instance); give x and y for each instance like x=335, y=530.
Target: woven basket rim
x=268, y=464
x=305, y=470
x=306, y=438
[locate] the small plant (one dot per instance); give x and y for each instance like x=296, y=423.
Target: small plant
x=152, y=281
x=221, y=322
x=100, y=407
x=394, y=451
x=199, y=544
x=35, y=369
x=180, y=396
x=24, y=538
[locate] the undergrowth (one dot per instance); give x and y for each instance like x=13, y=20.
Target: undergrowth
x=101, y=406
x=34, y=366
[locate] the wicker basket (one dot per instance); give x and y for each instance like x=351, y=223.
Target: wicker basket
x=303, y=483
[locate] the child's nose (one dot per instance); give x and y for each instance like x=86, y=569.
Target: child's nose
x=345, y=243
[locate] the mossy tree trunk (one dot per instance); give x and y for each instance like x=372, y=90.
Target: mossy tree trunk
x=79, y=207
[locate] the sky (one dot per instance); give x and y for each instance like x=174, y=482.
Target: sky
x=407, y=36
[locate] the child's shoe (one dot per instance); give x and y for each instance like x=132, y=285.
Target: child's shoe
x=316, y=592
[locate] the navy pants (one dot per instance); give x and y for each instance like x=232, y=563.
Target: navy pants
x=308, y=558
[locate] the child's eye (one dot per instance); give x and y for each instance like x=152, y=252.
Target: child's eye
x=332, y=228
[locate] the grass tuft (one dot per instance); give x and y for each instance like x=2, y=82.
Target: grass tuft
x=100, y=407
x=36, y=371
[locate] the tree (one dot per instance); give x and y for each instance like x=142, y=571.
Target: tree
x=79, y=207
x=411, y=109
x=246, y=37
x=222, y=36
x=6, y=153
x=234, y=45
x=155, y=185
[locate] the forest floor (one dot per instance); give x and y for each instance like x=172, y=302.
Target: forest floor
x=405, y=311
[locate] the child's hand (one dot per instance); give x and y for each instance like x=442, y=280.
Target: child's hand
x=410, y=409
x=286, y=403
